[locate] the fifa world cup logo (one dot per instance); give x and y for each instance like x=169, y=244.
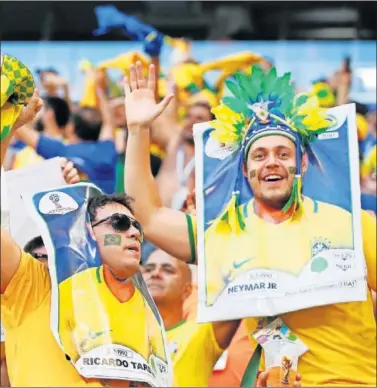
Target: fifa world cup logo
x=54, y=198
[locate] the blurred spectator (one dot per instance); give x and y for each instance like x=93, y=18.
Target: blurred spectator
x=370, y=139
x=177, y=170
x=368, y=172
x=45, y=76
x=51, y=121
x=190, y=306
x=89, y=145
x=369, y=202
x=53, y=84
x=169, y=282
x=231, y=366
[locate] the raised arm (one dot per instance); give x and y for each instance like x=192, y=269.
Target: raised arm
x=27, y=115
x=164, y=227
x=10, y=251
x=45, y=146
x=108, y=125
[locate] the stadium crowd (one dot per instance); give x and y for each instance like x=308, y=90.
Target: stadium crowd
x=97, y=142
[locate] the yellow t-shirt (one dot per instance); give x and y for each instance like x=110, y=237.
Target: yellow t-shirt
x=341, y=337
x=34, y=358
x=26, y=157
x=96, y=317
x=194, y=352
x=287, y=246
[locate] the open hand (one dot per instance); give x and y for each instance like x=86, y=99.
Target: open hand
x=140, y=104
x=70, y=173
x=263, y=377
x=30, y=111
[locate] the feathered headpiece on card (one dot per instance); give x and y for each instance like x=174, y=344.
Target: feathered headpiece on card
x=264, y=104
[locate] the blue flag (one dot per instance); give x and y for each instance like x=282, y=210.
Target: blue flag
x=109, y=17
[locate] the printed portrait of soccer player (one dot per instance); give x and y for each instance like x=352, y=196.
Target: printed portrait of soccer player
x=102, y=305
x=274, y=158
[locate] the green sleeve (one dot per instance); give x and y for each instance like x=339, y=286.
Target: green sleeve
x=192, y=231
x=119, y=184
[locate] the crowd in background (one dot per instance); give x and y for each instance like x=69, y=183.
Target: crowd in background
x=92, y=134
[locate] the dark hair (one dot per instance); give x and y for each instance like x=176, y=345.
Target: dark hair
x=205, y=105
x=87, y=123
x=60, y=108
x=103, y=200
x=34, y=244
x=47, y=70
x=61, y=111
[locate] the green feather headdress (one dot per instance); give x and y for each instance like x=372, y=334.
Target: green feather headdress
x=264, y=104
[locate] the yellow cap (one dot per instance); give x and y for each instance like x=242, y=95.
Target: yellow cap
x=362, y=126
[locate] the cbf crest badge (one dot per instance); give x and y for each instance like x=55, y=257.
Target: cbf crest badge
x=319, y=246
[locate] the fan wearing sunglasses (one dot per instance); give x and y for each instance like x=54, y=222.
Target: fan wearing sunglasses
x=118, y=235
x=26, y=297
x=36, y=248
x=101, y=304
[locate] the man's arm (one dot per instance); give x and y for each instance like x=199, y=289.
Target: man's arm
x=224, y=332
x=28, y=135
x=164, y=227
x=4, y=378
x=27, y=114
x=10, y=259
x=10, y=251
x=108, y=125
x=45, y=146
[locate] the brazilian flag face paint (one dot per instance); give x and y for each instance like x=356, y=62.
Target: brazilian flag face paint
x=253, y=174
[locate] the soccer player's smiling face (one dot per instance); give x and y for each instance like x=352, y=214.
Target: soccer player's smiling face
x=269, y=169
x=119, y=250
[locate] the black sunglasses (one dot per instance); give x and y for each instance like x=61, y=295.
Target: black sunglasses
x=40, y=256
x=122, y=223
